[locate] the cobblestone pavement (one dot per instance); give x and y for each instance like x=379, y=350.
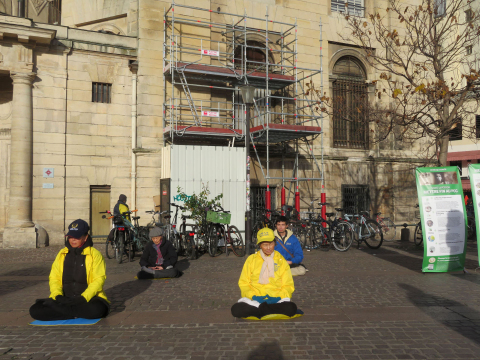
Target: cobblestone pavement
x=362, y=304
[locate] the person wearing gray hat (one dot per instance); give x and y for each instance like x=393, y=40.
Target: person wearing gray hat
x=159, y=257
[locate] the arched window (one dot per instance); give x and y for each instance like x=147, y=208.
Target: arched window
x=350, y=111
x=255, y=54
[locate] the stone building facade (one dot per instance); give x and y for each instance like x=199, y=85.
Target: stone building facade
x=83, y=97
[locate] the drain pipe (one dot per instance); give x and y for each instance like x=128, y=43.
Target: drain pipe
x=134, y=68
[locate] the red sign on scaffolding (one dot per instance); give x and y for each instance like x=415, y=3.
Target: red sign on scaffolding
x=211, y=113
x=210, y=52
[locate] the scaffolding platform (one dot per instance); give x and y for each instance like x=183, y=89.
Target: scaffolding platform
x=282, y=132
x=194, y=132
x=232, y=75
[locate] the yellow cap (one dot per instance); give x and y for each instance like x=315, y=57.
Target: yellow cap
x=265, y=235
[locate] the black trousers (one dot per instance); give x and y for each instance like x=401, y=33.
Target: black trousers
x=159, y=274
x=49, y=310
x=243, y=310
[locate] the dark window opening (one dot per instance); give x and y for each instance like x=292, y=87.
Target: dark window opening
x=255, y=56
x=101, y=92
x=457, y=164
x=350, y=104
x=355, y=198
x=456, y=132
x=469, y=15
x=351, y=7
x=257, y=201
x=477, y=126
x=469, y=49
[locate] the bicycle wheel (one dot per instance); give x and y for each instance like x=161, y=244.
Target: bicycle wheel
x=302, y=237
x=177, y=243
x=236, y=240
x=120, y=248
x=418, y=235
x=388, y=229
x=130, y=252
x=312, y=238
x=212, y=241
x=189, y=246
x=373, y=234
x=343, y=236
x=325, y=240
x=109, y=249
x=143, y=238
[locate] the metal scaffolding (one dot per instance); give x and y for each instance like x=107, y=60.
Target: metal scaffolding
x=208, y=54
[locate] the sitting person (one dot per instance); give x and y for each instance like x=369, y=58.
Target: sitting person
x=288, y=245
x=76, y=280
x=159, y=258
x=266, y=283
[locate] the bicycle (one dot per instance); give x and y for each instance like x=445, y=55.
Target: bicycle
x=267, y=218
x=367, y=230
x=218, y=219
x=317, y=236
x=186, y=238
x=121, y=244
x=341, y=231
x=388, y=227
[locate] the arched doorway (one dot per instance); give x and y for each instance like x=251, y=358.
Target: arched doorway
x=350, y=100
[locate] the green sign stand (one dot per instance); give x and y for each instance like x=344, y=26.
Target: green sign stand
x=443, y=216
x=474, y=174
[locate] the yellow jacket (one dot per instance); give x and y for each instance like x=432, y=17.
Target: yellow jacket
x=95, y=264
x=280, y=286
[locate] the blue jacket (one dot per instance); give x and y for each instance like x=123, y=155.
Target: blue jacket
x=292, y=244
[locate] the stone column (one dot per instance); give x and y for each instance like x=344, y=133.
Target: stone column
x=20, y=230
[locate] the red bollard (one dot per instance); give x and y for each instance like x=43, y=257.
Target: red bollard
x=323, y=199
x=297, y=204
x=283, y=200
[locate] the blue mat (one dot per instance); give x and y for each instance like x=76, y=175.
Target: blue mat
x=77, y=321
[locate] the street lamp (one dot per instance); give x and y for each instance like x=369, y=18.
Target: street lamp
x=247, y=94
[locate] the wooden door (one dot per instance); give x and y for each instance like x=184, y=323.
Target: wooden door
x=99, y=202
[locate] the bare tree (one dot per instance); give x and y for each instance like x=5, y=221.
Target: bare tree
x=428, y=72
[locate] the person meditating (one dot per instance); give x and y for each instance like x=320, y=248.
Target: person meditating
x=266, y=282
x=76, y=280
x=159, y=258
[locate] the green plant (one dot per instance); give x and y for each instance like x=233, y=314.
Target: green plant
x=196, y=203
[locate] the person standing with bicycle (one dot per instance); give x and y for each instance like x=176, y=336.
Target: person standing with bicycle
x=120, y=208
x=288, y=245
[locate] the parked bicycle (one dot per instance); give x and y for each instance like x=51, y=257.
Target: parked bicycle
x=117, y=248
x=388, y=226
x=366, y=230
x=185, y=237
x=220, y=234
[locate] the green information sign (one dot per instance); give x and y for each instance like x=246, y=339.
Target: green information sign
x=474, y=174
x=442, y=212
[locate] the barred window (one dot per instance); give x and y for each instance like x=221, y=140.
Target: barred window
x=101, y=92
x=352, y=7
x=477, y=126
x=350, y=104
x=469, y=49
x=456, y=132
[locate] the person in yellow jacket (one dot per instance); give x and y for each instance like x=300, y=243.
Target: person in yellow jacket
x=266, y=282
x=76, y=280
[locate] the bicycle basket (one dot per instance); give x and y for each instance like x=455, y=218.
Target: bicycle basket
x=219, y=217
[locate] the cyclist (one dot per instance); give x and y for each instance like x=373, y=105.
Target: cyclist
x=266, y=282
x=288, y=245
x=158, y=258
x=76, y=280
x=120, y=208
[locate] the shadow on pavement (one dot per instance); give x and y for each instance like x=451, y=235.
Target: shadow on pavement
x=454, y=315
x=269, y=350
x=121, y=293
x=33, y=271
x=408, y=262
x=183, y=265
